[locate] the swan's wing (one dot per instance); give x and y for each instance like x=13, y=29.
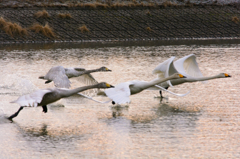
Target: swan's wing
x=188, y=66
x=58, y=76
x=87, y=79
x=74, y=72
x=102, y=102
x=180, y=95
x=33, y=99
x=165, y=69
x=120, y=93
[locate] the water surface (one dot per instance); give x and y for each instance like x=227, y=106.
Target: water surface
x=203, y=124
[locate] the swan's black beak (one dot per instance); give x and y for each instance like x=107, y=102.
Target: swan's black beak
x=184, y=77
x=111, y=86
x=109, y=70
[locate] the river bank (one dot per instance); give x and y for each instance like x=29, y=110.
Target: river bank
x=85, y=24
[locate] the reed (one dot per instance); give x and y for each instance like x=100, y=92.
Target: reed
x=12, y=29
x=42, y=14
x=235, y=19
x=83, y=28
x=148, y=29
x=45, y=30
x=64, y=16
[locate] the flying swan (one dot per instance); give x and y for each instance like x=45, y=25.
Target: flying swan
x=60, y=75
x=46, y=96
x=186, y=66
x=120, y=93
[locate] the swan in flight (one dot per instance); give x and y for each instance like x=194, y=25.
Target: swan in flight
x=120, y=93
x=46, y=96
x=186, y=66
x=60, y=75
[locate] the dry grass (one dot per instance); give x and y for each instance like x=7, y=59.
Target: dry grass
x=148, y=13
x=45, y=30
x=64, y=16
x=83, y=29
x=42, y=14
x=168, y=4
x=12, y=29
x=235, y=19
x=89, y=5
x=148, y=29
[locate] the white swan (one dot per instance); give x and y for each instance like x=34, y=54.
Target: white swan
x=186, y=66
x=60, y=75
x=46, y=96
x=120, y=93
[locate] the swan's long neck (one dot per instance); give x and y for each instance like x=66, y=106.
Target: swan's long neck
x=157, y=81
x=90, y=71
x=67, y=93
x=202, y=78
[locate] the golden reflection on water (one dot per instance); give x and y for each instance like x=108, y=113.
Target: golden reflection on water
x=203, y=124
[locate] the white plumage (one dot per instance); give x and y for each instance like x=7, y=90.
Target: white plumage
x=60, y=76
x=121, y=92
x=46, y=96
x=186, y=66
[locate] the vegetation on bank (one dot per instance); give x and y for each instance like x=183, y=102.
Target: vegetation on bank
x=12, y=29
x=107, y=4
x=45, y=30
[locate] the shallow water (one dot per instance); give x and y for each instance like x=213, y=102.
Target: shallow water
x=203, y=124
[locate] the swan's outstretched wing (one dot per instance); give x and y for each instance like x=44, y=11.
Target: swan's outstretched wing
x=180, y=95
x=188, y=66
x=120, y=93
x=58, y=76
x=165, y=69
x=87, y=79
x=33, y=99
x=88, y=97
x=74, y=72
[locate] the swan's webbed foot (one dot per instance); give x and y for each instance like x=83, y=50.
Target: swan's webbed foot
x=15, y=114
x=44, y=108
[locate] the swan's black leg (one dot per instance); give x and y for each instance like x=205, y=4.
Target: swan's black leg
x=44, y=108
x=160, y=92
x=48, y=82
x=15, y=114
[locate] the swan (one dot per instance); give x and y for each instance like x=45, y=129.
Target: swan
x=120, y=93
x=60, y=75
x=186, y=66
x=46, y=96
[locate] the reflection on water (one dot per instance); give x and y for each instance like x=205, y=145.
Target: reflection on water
x=203, y=124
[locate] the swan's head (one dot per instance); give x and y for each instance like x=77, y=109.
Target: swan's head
x=104, y=69
x=104, y=85
x=178, y=75
x=224, y=75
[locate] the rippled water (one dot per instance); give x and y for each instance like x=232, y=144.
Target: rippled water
x=203, y=124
